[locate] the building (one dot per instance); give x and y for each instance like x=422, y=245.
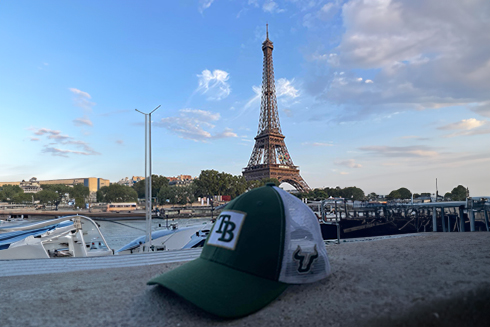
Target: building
x=93, y=183
x=180, y=180
x=126, y=181
x=32, y=186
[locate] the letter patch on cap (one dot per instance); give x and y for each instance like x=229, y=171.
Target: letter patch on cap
x=227, y=229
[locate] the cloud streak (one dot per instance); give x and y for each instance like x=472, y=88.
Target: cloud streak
x=351, y=163
x=55, y=137
x=401, y=151
x=465, y=124
x=82, y=99
x=194, y=124
x=83, y=121
x=214, y=84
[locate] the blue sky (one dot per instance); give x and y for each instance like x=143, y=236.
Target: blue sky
x=374, y=94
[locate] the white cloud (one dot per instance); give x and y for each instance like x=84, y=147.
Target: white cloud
x=400, y=151
x=317, y=144
x=193, y=124
x=420, y=55
x=465, y=124
x=214, y=84
x=284, y=87
x=42, y=131
x=351, y=163
x=82, y=99
x=271, y=7
x=83, y=121
x=204, y=4
x=55, y=137
x=63, y=152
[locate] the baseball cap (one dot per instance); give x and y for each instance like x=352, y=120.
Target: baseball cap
x=262, y=241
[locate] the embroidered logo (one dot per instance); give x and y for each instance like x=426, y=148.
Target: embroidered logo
x=226, y=230
x=305, y=259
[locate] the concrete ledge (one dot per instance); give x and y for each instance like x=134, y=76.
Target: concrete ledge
x=437, y=279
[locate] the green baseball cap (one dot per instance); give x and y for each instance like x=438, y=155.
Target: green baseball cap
x=261, y=242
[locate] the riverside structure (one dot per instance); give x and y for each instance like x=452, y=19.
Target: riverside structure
x=345, y=220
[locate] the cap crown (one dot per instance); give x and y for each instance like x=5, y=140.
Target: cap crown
x=258, y=239
x=269, y=233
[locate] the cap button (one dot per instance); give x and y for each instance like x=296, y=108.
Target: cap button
x=270, y=184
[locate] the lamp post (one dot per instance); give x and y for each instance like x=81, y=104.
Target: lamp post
x=148, y=196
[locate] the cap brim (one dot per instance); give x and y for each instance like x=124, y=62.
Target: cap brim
x=220, y=290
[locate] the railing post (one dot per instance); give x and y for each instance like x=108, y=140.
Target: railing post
x=486, y=219
x=471, y=213
x=434, y=219
x=442, y=220
x=461, y=218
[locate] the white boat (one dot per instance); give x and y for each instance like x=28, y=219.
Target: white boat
x=169, y=240
x=74, y=236
x=80, y=236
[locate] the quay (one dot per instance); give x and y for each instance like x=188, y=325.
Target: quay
x=430, y=279
x=171, y=212
x=343, y=219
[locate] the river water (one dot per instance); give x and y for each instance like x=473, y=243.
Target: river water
x=120, y=233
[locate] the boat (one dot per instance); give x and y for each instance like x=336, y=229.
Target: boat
x=80, y=236
x=69, y=236
x=169, y=239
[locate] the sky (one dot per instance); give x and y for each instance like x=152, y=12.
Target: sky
x=375, y=94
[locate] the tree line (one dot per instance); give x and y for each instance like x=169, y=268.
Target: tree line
x=50, y=194
x=459, y=193
x=209, y=183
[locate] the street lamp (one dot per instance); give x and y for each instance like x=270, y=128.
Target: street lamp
x=148, y=177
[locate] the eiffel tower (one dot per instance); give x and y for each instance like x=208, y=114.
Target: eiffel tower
x=270, y=157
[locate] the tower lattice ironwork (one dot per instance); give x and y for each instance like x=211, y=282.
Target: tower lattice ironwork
x=270, y=157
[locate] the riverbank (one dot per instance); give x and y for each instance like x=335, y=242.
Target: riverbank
x=432, y=279
x=170, y=211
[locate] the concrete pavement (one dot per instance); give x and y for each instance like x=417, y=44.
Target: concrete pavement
x=434, y=279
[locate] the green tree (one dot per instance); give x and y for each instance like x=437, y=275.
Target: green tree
x=238, y=185
x=117, y=193
x=353, y=193
x=79, y=191
x=177, y=194
x=80, y=202
x=448, y=196
x=394, y=195
x=157, y=182
x=459, y=193
x=60, y=188
x=405, y=193
x=207, y=183
x=8, y=192
x=315, y=194
x=47, y=196
x=22, y=198
x=372, y=196
x=402, y=193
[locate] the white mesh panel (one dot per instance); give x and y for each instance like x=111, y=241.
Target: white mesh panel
x=305, y=256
